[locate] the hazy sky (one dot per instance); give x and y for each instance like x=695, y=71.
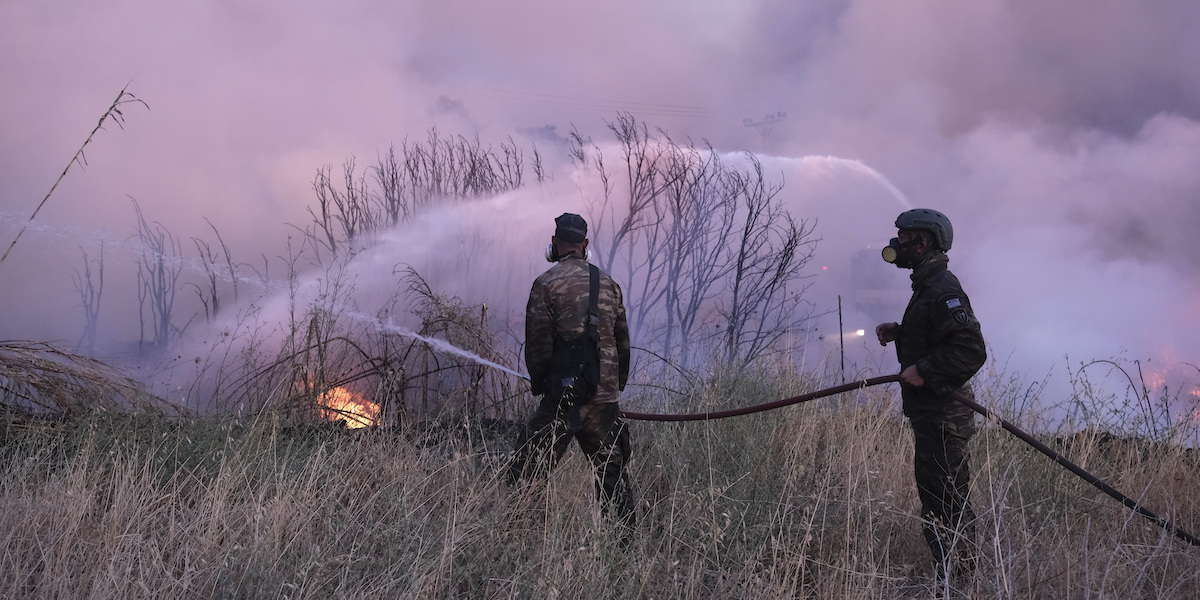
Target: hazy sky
x=1062, y=138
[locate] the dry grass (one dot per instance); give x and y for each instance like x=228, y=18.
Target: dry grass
x=36, y=378
x=813, y=501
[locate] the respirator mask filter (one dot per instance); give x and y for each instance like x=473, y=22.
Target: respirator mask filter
x=553, y=257
x=891, y=252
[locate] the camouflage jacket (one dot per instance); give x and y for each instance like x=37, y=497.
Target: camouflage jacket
x=940, y=335
x=558, y=312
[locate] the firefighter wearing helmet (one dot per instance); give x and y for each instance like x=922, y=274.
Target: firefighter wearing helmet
x=940, y=347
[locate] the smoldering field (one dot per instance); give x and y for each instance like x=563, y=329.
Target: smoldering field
x=337, y=425
x=203, y=455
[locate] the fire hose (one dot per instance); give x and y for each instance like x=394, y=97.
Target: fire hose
x=988, y=414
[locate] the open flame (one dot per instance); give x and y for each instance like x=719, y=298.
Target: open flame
x=340, y=404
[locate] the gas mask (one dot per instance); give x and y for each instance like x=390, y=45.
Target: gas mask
x=892, y=253
x=553, y=256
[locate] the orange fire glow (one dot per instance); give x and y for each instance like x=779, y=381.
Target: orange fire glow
x=341, y=404
x=1154, y=379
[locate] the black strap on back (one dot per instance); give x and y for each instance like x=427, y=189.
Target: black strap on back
x=593, y=330
x=593, y=324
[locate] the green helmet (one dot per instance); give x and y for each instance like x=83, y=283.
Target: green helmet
x=927, y=219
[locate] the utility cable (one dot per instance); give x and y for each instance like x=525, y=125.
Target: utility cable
x=975, y=406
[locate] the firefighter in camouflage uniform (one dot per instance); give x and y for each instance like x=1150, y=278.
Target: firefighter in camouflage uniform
x=940, y=347
x=557, y=312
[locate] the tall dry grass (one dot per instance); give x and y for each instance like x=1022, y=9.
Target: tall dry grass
x=812, y=501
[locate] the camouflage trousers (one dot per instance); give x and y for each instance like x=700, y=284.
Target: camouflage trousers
x=940, y=464
x=602, y=436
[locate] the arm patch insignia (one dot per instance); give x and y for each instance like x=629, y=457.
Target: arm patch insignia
x=958, y=311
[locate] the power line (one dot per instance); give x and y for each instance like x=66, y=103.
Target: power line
x=766, y=124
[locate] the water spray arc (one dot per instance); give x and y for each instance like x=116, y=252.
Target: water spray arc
x=828, y=162
x=435, y=343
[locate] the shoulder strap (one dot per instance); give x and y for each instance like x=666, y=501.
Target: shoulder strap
x=594, y=305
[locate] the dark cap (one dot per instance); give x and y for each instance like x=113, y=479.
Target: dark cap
x=570, y=228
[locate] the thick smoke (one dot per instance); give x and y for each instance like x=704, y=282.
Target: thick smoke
x=1062, y=138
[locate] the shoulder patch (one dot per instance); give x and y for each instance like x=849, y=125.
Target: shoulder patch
x=956, y=307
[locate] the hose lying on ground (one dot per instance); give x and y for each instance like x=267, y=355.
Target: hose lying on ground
x=988, y=414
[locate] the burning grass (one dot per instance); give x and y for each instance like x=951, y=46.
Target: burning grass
x=343, y=405
x=812, y=501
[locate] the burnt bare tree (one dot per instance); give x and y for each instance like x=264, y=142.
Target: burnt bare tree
x=406, y=182
x=771, y=252
x=452, y=168
x=509, y=166
x=539, y=169
x=620, y=221
x=705, y=249
x=343, y=212
x=216, y=267
x=699, y=211
x=159, y=267
x=90, y=291
x=394, y=203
